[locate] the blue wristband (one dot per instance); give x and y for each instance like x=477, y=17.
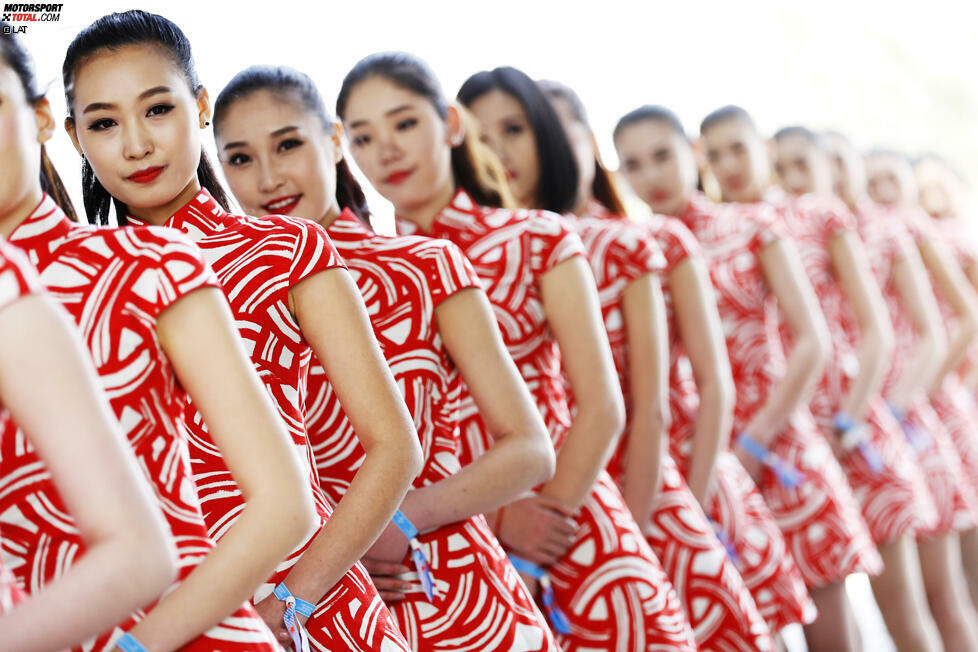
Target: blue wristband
x=558, y=619
x=128, y=643
x=787, y=475
x=405, y=525
x=302, y=607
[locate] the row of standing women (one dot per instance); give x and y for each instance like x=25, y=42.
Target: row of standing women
x=508, y=427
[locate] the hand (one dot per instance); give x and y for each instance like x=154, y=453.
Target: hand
x=390, y=546
x=383, y=574
x=272, y=611
x=538, y=529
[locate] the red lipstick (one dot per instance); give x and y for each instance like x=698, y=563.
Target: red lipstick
x=396, y=178
x=282, y=205
x=146, y=175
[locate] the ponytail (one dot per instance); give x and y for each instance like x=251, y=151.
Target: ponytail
x=51, y=184
x=477, y=169
x=350, y=195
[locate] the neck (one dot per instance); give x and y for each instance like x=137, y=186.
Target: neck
x=20, y=211
x=160, y=215
x=423, y=215
x=330, y=216
x=582, y=202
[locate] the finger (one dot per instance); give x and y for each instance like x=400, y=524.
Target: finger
x=383, y=583
x=390, y=596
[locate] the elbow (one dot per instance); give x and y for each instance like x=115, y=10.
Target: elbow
x=721, y=393
x=154, y=557
x=543, y=459
x=613, y=414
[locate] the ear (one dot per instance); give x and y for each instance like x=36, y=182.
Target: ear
x=203, y=107
x=44, y=119
x=455, y=133
x=70, y=129
x=336, y=136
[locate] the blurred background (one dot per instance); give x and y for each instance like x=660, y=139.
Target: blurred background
x=885, y=74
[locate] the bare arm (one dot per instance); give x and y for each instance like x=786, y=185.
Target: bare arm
x=521, y=456
x=699, y=326
x=789, y=284
x=570, y=300
x=334, y=321
x=48, y=384
x=917, y=298
x=200, y=339
x=644, y=311
x=971, y=375
x=876, y=332
x=954, y=287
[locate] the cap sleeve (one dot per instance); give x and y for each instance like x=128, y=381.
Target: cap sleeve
x=449, y=271
x=676, y=241
x=639, y=253
x=313, y=251
x=18, y=277
x=552, y=242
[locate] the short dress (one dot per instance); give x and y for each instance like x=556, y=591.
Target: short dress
x=609, y=583
x=480, y=601
x=820, y=518
x=257, y=261
x=884, y=476
x=115, y=282
x=717, y=602
x=735, y=504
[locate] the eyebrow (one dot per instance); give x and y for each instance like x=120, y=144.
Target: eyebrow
x=394, y=111
x=274, y=134
x=99, y=106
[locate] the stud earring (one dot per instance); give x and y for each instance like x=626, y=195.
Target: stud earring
x=207, y=123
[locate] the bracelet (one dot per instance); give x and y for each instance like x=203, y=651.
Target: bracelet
x=128, y=643
x=855, y=435
x=788, y=476
x=557, y=617
x=302, y=607
x=421, y=564
x=293, y=606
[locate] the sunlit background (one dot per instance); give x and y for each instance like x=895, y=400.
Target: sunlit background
x=886, y=74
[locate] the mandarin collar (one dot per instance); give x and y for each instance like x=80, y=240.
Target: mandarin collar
x=458, y=215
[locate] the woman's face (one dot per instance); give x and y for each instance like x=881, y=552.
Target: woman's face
x=801, y=167
x=582, y=144
x=658, y=165
x=890, y=180
x=940, y=190
x=23, y=128
x=400, y=143
x=138, y=124
x=279, y=158
x=506, y=130
x=738, y=159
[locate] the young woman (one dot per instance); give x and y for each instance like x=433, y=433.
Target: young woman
x=756, y=271
x=136, y=110
x=524, y=129
x=658, y=165
x=869, y=442
x=891, y=183
x=413, y=146
x=136, y=294
x=277, y=140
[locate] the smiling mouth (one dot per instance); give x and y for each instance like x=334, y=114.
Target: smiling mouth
x=146, y=175
x=282, y=205
x=395, y=178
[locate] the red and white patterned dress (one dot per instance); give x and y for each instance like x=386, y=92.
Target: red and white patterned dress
x=115, y=283
x=717, y=602
x=17, y=280
x=820, y=519
x=609, y=583
x=894, y=498
x=735, y=504
x=481, y=603
x=888, y=241
x=257, y=261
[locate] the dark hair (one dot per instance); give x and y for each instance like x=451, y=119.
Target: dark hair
x=558, y=181
x=652, y=113
x=603, y=187
x=282, y=81
x=475, y=168
x=811, y=137
x=725, y=113
x=113, y=32
x=15, y=55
